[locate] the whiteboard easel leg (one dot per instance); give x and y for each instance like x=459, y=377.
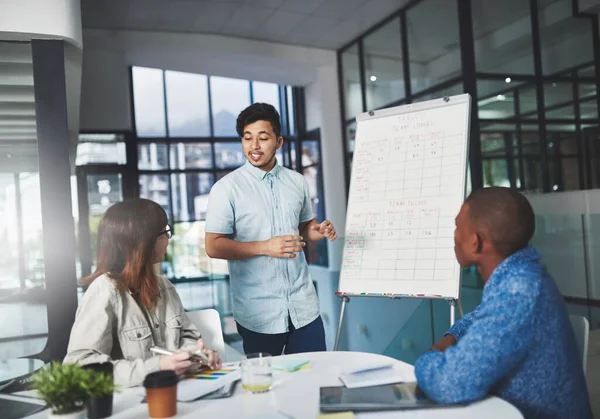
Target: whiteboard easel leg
x=452, y=312
x=345, y=300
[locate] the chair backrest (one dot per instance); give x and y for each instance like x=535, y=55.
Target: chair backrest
x=581, y=327
x=209, y=323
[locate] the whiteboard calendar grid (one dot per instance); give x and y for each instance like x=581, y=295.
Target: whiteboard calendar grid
x=407, y=185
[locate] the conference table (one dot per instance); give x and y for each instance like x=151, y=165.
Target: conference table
x=296, y=395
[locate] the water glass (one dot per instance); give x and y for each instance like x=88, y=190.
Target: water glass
x=257, y=374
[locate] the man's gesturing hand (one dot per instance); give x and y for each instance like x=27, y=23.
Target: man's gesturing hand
x=283, y=246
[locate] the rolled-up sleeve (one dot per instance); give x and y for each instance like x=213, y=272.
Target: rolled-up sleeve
x=91, y=339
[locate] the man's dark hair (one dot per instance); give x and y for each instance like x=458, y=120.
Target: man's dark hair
x=258, y=112
x=506, y=215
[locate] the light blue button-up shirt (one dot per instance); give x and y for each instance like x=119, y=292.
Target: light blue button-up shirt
x=250, y=204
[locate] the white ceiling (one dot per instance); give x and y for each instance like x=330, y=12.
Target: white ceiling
x=315, y=23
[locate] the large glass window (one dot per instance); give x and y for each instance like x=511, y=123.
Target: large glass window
x=178, y=168
x=434, y=54
x=351, y=82
x=149, y=102
x=384, y=79
x=502, y=36
x=187, y=104
x=266, y=93
x=229, y=97
x=565, y=41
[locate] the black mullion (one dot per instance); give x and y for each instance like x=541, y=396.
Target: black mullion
x=519, y=134
x=510, y=163
x=20, y=241
x=361, y=72
x=164, y=82
x=596, y=43
x=557, y=157
x=405, y=56
x=539, y=81
x=210, y=110
x=577, y=109
x=284, y=115
x=342, y=99
x=85, y=244
x=467, y=58
x=251, y=87
x=130, y=172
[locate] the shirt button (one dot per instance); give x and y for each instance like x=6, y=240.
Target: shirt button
x=156, y=325
x=139, y=335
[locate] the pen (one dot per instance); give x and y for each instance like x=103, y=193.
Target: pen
x=195, y=354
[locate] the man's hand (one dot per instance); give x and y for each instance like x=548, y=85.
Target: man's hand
x=178, y=362
x=283, y=246
x=443, y=344
x=327, y=229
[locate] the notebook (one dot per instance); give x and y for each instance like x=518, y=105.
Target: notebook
x=374, y=375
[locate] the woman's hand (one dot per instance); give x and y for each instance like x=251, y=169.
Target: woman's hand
x=178, y=362
x=214, y=362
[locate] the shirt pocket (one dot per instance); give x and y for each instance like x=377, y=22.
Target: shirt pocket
x=136, y=342
x=293, y=215
x=173, y=327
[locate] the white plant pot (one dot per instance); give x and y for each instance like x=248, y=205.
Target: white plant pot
x=81, y=414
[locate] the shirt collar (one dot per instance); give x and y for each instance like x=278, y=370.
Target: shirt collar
x=527, y=255
x=261, y=174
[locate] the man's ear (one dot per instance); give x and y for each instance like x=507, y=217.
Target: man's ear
x=476, y=243
x=279, y=142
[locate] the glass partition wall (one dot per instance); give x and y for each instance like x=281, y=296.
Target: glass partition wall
x=531, y=68
x=534, y=84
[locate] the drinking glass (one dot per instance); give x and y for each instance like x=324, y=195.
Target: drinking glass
x=257, y=374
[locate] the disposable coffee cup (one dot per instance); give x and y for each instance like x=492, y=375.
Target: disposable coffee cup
x=161, y=394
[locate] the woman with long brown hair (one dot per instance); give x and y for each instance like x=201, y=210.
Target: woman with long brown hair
x=128, y=307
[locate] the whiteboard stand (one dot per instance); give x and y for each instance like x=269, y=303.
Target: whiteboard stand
x=408, y=182
x=345, y=300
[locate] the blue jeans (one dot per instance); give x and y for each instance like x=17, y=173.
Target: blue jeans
x=310, y=338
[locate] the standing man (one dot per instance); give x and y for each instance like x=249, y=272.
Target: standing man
x=259, y=218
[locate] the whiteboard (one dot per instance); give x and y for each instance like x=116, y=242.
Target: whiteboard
x=408, y=183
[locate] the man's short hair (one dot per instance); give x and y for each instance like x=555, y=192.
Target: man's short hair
x=258, y=112
x=506, y=215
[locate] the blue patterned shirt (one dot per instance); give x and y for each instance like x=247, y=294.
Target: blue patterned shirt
x=250, y=204
x=517, y=344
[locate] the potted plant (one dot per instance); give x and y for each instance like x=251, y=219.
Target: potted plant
x=99, y=387
x=60, y=387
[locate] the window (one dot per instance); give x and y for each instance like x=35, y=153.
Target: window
x=178, y=166
x=187, y=104
x=316, y=253
x=22, y=274
x=266, y=93
x=434, y=55
x=149, y=102
x=351, y=82
x=383, y=66
x=502, y=37
x=229, y=97
x=101, y=149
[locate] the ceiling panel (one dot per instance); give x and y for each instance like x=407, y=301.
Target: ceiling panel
x=317, y=23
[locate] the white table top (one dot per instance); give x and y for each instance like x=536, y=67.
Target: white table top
x=296, y=395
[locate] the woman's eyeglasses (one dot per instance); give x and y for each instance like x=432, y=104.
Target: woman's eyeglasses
x=167, y=231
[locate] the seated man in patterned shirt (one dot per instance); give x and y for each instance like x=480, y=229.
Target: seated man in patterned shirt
x=518, y=343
